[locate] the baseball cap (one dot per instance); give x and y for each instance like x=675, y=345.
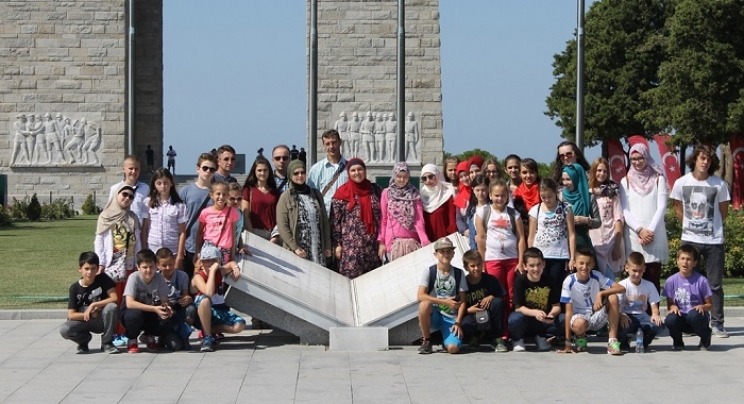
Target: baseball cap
x=443, y=244
x=210, y=252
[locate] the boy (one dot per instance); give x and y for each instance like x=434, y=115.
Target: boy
x=639, y=294
x=485, y=304
x=196, y=197
x=142, y=308
x=689, y=298
x=442, y=294
x=537, y=310
x=131, y=169
x=179, y=298
x=91, y=307
x=584, y=314
x=213, y=314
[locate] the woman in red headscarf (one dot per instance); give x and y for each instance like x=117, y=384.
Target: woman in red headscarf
x=355, y=222
x=466, y=171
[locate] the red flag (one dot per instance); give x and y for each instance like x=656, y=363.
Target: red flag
x=633, y=139
x=669, y=160
x=737, y=154
x=616, y=159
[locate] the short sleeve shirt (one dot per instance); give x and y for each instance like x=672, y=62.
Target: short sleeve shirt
x=701, y=215
x=178, y=282
x=501, y=242
x=687, y=292
x=82, y=296
x=487, y=286
x=218, y=226
x=143, y=292
x=540, y=295
x=444, y=287
x=581, y=294
x=636, y=298
x=551, y=236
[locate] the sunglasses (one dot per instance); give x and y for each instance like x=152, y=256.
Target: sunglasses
x=566, y=155
x=128, y=195
x=281, y=158
x=229, y=159
x=427, y=177
x=299, y=173
x=235, y=199
x=206, y=168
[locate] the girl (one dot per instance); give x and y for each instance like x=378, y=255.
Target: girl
x=165, y=225
x=466, y=171
x=552, y=231
x=438, y=203
x=500, y=237
x=478, y=199
x=450, y=169
x=492, y=170
x=260, y=198
x=584, y=205
x=513, y=164
x=607, y=238
x=402, y=228
x=234, y=200
x=567, y=154
x=527, y=193
x=218, y=223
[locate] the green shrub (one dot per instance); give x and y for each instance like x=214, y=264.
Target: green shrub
x=89, y=206
x=5, y=219
x=59, y=209
x=33, y=210
x=17, y=209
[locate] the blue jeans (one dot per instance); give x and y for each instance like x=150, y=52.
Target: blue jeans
x=713, y=255
x=693, y=322
x=650, y=330
x=444, y=324
x=521, y=326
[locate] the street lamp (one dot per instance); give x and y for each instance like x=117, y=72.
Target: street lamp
x=580, y=76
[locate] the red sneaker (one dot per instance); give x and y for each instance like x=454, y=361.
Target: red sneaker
x=153, y=346
x=132, y=346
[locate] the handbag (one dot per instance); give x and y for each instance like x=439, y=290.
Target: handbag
x=482, y=317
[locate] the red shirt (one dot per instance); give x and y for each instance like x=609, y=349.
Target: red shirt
x=263, y=207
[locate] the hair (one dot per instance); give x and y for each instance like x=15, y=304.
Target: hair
x=206, y=157
x=547, y=184
x=688, y=249
x=90, y=258
x=252, y=180
x=218, y=184
x=636, y=258
x=532, y=252
x=280, y=146
x=495, y=162
x=331, y=133
x=715, y=162
x=471, y=256
x=146, y=255
x=512, y=157
x=225, y=148
x=131, y=157
x=164, y=253
x=234, y=186
x=497, y=183
x=593, y=183
x=154, y=194
x=451, y=159
x=558, y=166
x=479, y=179
x=585, y=251
x=531, y=165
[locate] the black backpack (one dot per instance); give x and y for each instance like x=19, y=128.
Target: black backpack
x=457, y=272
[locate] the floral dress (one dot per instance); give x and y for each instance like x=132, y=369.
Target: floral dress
x=359, y=254
x=308, y=229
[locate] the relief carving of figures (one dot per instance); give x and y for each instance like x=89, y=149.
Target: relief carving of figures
x=342, y=127
x=391, y=126
x=412, y=136
x=355, y=137
x=368, y=138
x=375, y=138
x=55, y=141
x=380, y=136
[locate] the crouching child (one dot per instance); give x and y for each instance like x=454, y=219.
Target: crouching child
x=485, y=314
x=639, y=295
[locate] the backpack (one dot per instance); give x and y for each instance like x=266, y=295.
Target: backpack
x=457, y=272
x=512, y=218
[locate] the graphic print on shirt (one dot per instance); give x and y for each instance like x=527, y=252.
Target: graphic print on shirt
x=502, y=228
x=537, y=298
x=87, y=298
x=554, y=228
x=634, y=303
x=682, y=298
x=444, y=287
x=699, y=207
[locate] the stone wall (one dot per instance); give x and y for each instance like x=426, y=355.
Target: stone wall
x=357, y=67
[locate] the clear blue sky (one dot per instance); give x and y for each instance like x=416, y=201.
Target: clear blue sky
x=235, y=72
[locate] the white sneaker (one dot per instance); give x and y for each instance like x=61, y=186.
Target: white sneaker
x=518, y=345
x=542, y=344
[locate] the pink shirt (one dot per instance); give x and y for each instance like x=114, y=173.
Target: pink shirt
x=165, y=221
x=390, y=229
x=218, y=226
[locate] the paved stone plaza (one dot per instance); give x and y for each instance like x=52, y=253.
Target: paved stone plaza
x=37, y=366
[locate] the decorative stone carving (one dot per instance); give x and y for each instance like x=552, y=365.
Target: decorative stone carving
x=368, y=138
x=380, y=136
x=342, y=127
x=355, y=136
x=54, y=141
x=377, y=136
x=412, y=137
x=391, y=125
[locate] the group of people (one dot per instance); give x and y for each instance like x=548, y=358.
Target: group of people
x=541, y=249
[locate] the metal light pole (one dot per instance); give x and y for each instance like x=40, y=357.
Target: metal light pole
x=312, y=102
x=580, y=76
x=401, y=80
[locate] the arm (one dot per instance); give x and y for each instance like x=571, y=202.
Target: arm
x=723, y=208
x=707, y=306
x=100, y=250
x=532, y=232
x=325, y=225
x=233, y=227
x=181, y=253
x=594, y=220
x=480, y=237
x=612, y=290
x=231, y=269
x=133, y=304
x=199, y=238
x=521, y=244
x=661, y=204
x=419, y=224
x=571, y=237
x=678, y=210
x=569, y=314
x=382, y=241
x=655, y=315
x=206, y=287
x=462, y=311
x=337, y=221
x=282, y=222
x=245, y=206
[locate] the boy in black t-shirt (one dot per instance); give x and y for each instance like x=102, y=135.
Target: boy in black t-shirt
x=485, y=315
x=536, y=304
x=91, y=307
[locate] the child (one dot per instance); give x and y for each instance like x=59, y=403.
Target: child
x=689, y=299
x=143, y=309
x=501, y=239
x=131, y=169
x=552, y=231
x=485, y=304
x=213, y=314
x=584, y=205
x=234, y=201
x=218, y=223
x=536, y=309
x=639, y=294
x=442, y=294
x=527, y=193
x=584, y=314
x=165, y=224
x=196, y=197
x=607, y=239
x=179, y=298
x=91, y=307
x=478, y=199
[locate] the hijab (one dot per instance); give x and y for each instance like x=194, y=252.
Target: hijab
x=401, y=200
x=579, y=198
x=113, y=213
x=438, y=195
x=298, y=188
x=351, y=192
x=530, y=194
x=463, y=191
x=642, y=181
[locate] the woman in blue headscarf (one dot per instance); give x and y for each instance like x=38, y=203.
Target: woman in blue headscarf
x=585, y=209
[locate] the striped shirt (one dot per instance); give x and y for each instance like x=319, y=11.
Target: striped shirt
x=165, y=221
x=321, y=174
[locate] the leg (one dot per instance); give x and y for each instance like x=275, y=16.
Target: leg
x=452, y=342
x=700, y=326
x=205, y=314
x=496, y=317
x=518, y=325
x=425, y=313
x=714, y=256
x=469, y=327
x=76, y=331
x=557, y=270
x=650, y=330
x=676, y=325
x=108, y=317
x=613, y=315
x=653, y=274
x=133, y=321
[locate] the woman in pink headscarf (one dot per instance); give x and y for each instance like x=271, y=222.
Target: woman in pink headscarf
x=643, y=197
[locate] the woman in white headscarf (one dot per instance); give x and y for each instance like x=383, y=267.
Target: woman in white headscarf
x=438, y=202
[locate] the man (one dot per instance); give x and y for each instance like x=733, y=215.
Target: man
x=303, y=155
x=329, y=174
x=150, y=157
x=294, y=154
x=281, y=156
x=701, y=202
x=225, y=162
x=171, y=160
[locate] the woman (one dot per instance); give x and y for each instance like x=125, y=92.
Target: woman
x=607, y=238
x=402, y=228
x=492, y=170
x=568, y=154
x=643, y=197
x=585, y=210
x=355, y=222
x=438, y=202
x=301, y=217
x=513, y=164
x=466, y=171
x=260, y=198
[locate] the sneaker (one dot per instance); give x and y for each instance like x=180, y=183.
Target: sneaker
x=613, y=347
x=499, y=346
x=208, y=344
x=518, y=345
x=218, y=336
x=542, y=344
x=109, y=348
x=146, y=339
x=581, y=344
x=474, y=344
x=82, y=348
x=119, y=340
x=704, y=344
x=171, y=341
x=132, y=346
x=201, y=335
x=719, y=331
x=625, y=346
x=424, y=349
x=153, y=346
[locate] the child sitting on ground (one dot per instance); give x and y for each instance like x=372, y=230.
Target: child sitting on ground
x=485, y=315
x=178, y=297
x=639, y=294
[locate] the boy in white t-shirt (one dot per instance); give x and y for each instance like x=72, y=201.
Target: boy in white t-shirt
x=639, y=294
x=591, y=302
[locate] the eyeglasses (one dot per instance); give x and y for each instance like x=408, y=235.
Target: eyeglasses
x=566, y=155
x=299, y=173
x=128, y=195
x=235, y=199
x=427, y=177
x=637, y=159
x=281, y=158
x=229, y=159
x=207, y=168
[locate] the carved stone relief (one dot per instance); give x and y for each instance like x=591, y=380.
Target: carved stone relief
x=374, y=138
x=58, y=141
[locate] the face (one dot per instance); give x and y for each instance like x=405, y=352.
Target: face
x=464, y=178
x=635, y=272
x=637, y=161
x=451, y=171
x=125, y=198
x=491, y=171
x=299, y=176
x=584, y=265
x=481, y=192
x=513, y=168
x=473, y=172
x=167, y=266
x=401, y=179
x=528, y=176
x=445, y=256
x=567, y=155
x=131, y=170
x=331, y=146
x=147, y=270
x=226, y=161
x=207, y=263
x=429, y=179
x=601, y=173
x=262, y=172
x=163, y=186
x=88, y=272
x=357, y=173
x=566, y=181
x=686, y=263
x=281, y=159
x=475, y=268
x=206, y=170
x=702, y=163
x=548, y=197
x=235, y=198
x=534, y=268
x=499, y=196
x=219, y=194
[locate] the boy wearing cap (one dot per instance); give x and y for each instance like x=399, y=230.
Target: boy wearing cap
x=442, y=296
x=214, y=316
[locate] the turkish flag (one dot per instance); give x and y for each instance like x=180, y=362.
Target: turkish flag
x=669, y=160
x=737, y=154
x=632, y=140
x=616, y=159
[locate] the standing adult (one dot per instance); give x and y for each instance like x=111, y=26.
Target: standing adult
x=643, y=195
x=281, y=156
x=437, y=197
x=568, y=154
x=294, y=154
x=260, y=197
x=584, y=205
x=225, y=164
x=303, y=155
x=701, y=202
x=171, y=160
x=355, y=222
x=330, y=173
x=150, y=157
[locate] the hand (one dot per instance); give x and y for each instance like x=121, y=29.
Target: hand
x=570, y=266
x=163, y=312
x=339, y=250
x=456, y=330
x=540, y=316
x=213, y=267
x=381, y=250
x=236, y=273
x=185, y=300
x=179, y=262
x=300, y=253
x=87, y=314
x=617, y=251
x=520, y=268
x=597, y=302
x=452, y=303
x=579, y=220
x=699, y=308
x=243, y=250
x=674, y=310
x=657, y=320
x=624, y=321
x=646, y=235
x=567, y=348
x=485, y=303
x=246, y=252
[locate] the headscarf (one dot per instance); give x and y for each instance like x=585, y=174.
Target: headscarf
x=113, y=213
x=401, y=200
x=529, y=194
x=463, y=191
x=438, y=195
x=579, y=197
x=298, y=188
x=362, y=192
x=641, y=181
